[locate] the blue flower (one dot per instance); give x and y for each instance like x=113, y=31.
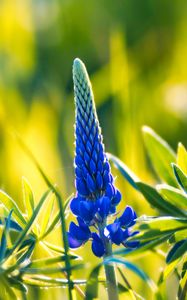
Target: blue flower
x=96, y=197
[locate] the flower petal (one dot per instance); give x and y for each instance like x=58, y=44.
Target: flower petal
x=73, y=243
x=97, y=246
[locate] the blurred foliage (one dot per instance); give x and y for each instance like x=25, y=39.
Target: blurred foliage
x=135, y=53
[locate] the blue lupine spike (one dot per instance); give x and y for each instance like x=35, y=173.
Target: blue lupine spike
x=97, y=245
x=96, y=196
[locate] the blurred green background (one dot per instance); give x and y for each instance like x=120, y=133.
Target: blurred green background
x=135, y=53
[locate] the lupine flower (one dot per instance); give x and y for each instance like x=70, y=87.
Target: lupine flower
x=97, y=196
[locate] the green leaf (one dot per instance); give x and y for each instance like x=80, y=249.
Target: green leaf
x=44, y=281
x=124, y=170
x=173, y=195
x=91, y=291
x=10, y=204
x=49, y=261
x=150, y=193
x=47, y=215
x=180, y=176
x=28, y=197
x=3, y=246
x=179, y=235
x=129, y=265
x=182, y=291
x=30, y=222
x=161, y=155
x=147, y=246
x=177, y=251
x=182, y=157
x=168, y=271
x=157, y=201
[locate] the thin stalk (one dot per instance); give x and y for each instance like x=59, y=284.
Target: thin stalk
x=111, y=282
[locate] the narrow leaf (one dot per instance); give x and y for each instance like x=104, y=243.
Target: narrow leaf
x=161, y=155
x=180, y=176
x=182, y=157
x=177, y=251
x=10, y=204
x=173, y=195
x=28, y=197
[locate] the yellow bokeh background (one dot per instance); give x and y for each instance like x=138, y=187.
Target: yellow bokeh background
x=135, y=53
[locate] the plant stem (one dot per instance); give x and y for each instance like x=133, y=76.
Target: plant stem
x=111, y=281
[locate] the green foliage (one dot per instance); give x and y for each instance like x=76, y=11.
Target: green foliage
x=169, y=198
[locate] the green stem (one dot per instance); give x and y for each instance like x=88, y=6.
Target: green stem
x=111, y=282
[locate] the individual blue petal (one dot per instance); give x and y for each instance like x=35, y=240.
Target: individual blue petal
x=79, y=233
x=115, y=232
x=90, y=183
x=93, y=168
x=73, y=243
x=127, y=217
x=100, y=166
x=97, y=245
x=103, y=206
x=132, y=244
x=94, y=156
x=86, y=158
x=112, y=209
x=78, y=172
x=81, y=187
x=106, y=177
x=117, y=198
x=75, y=206
x=110, y=190
x=107, y=166
x=89, y=147
x=78, y=161
x=99, y=180
x=87, y=210
x=126, y=234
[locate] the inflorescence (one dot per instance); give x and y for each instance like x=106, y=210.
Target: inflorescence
x=97, y=197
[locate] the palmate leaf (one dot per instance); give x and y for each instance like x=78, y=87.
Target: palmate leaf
x=180, y=176
x=173, y=195
x=161, y=155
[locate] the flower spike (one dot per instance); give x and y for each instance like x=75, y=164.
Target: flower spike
x=97, y=196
